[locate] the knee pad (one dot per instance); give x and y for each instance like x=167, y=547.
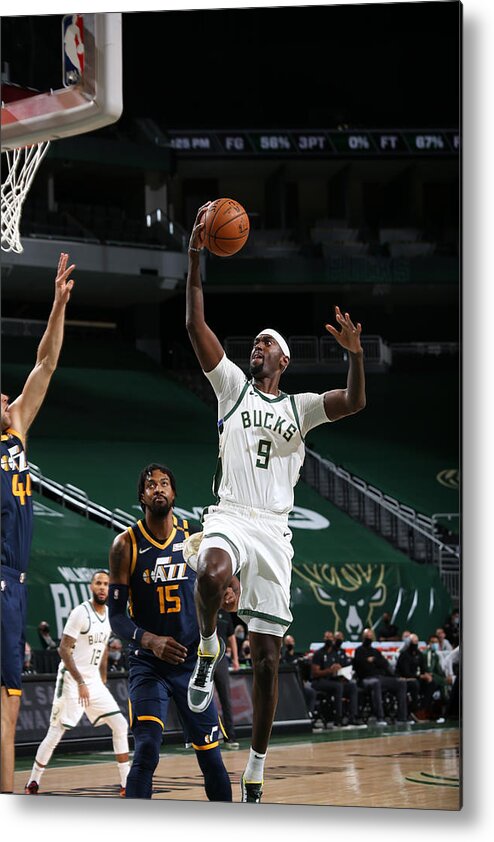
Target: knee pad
x=147, y=740
x=119, y=727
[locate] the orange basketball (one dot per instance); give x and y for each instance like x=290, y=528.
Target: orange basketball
x=226, y=227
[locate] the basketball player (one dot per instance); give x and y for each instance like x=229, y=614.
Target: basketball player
x=148, y=573
x=261, y=451
x=17, y=514
x=81, y=683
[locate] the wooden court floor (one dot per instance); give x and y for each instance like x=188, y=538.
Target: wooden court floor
x=403, y=770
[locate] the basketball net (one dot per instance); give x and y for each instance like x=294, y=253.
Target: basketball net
x=21, y=165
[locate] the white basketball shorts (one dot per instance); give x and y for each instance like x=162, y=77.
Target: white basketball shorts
x=67, y=709
x=261, y=552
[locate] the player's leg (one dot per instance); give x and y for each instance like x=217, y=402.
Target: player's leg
x=203, y=731
x=265, y=606
x=148, y=702
x=216, y=565
x=10, y=712
x=103, y=710
x=65, y=714
x=119, y=727
x=13, y=616
x=43, y=756
x=265, y=653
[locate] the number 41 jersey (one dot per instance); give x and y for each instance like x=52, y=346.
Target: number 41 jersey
x=161, y=593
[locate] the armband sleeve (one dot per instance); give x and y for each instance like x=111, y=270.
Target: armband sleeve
x=120, y=621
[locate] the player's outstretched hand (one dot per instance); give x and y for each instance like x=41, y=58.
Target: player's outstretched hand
x=349, y=335
x=197, y=236
x=168, y=649
x=63, y=287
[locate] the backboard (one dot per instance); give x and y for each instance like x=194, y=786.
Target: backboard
x=61, y=76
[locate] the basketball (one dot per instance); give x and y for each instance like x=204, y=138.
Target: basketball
x=226, y=227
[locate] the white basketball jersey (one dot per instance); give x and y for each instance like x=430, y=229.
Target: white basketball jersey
x=92, y=632
x=261, y=440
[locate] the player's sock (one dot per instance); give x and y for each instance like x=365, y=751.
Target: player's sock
x=123, y=771
x=209, y=645
x=254, y=771
x=36, y=772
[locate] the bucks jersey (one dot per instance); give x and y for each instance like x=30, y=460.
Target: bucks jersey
x=17, y=504
x=91, y=631
x=161, y=593
x=261, y=440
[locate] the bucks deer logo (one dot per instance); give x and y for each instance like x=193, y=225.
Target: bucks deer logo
x=352, y=591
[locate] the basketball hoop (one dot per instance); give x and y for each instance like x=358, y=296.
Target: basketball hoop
x=22, y=165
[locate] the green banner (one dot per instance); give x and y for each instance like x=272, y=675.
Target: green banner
x=351, y=597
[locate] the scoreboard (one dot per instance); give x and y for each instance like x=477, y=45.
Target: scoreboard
x=315, y=143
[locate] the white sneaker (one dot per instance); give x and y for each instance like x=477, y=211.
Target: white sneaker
x=191, y=548
x=201, y=685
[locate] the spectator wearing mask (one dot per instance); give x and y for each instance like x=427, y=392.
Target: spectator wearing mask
x=374, y=674
x=115, y=655
x=432, y=676
x=444, y=647
x=45, y=637
x=327, y=663
x=289, y=655
x=408, y=667
x=452, y=628
x=244, y=656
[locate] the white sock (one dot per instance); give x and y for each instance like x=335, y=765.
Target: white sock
x=254, y=771
x=36, y=772
x=209, y=645
x=123, y=771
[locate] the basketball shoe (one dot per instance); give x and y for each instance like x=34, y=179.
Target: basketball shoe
x=250, y=792
x=201, y=684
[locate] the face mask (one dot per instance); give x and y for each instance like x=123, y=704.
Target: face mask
x=434, y=647
x=246, y=651
x=337, y=644
x=367, y=641
x=114, y=656
x=413, y=647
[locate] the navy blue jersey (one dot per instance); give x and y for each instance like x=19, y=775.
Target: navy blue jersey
x=161, y=593
x=17, y=503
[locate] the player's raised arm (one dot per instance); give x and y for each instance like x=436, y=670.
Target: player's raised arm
x=25, y=408
x=342, y=402
x=207, y=347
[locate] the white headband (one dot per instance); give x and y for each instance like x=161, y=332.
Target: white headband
x=281, y=342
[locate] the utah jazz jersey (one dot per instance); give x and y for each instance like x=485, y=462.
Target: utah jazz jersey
x=17, y=503
x=161, y=593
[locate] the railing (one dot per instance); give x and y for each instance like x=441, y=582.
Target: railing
x=311, y=350
x=78, y=501
x=411, y=532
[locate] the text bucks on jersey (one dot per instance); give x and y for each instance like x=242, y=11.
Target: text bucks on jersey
x=261, y=451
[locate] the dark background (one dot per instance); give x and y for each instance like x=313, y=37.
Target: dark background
x=368, y=65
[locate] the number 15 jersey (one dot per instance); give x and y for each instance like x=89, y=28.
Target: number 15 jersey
x=161, y=592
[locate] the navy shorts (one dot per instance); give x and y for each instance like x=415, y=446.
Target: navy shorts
x=151, y=686
x=14, y=607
